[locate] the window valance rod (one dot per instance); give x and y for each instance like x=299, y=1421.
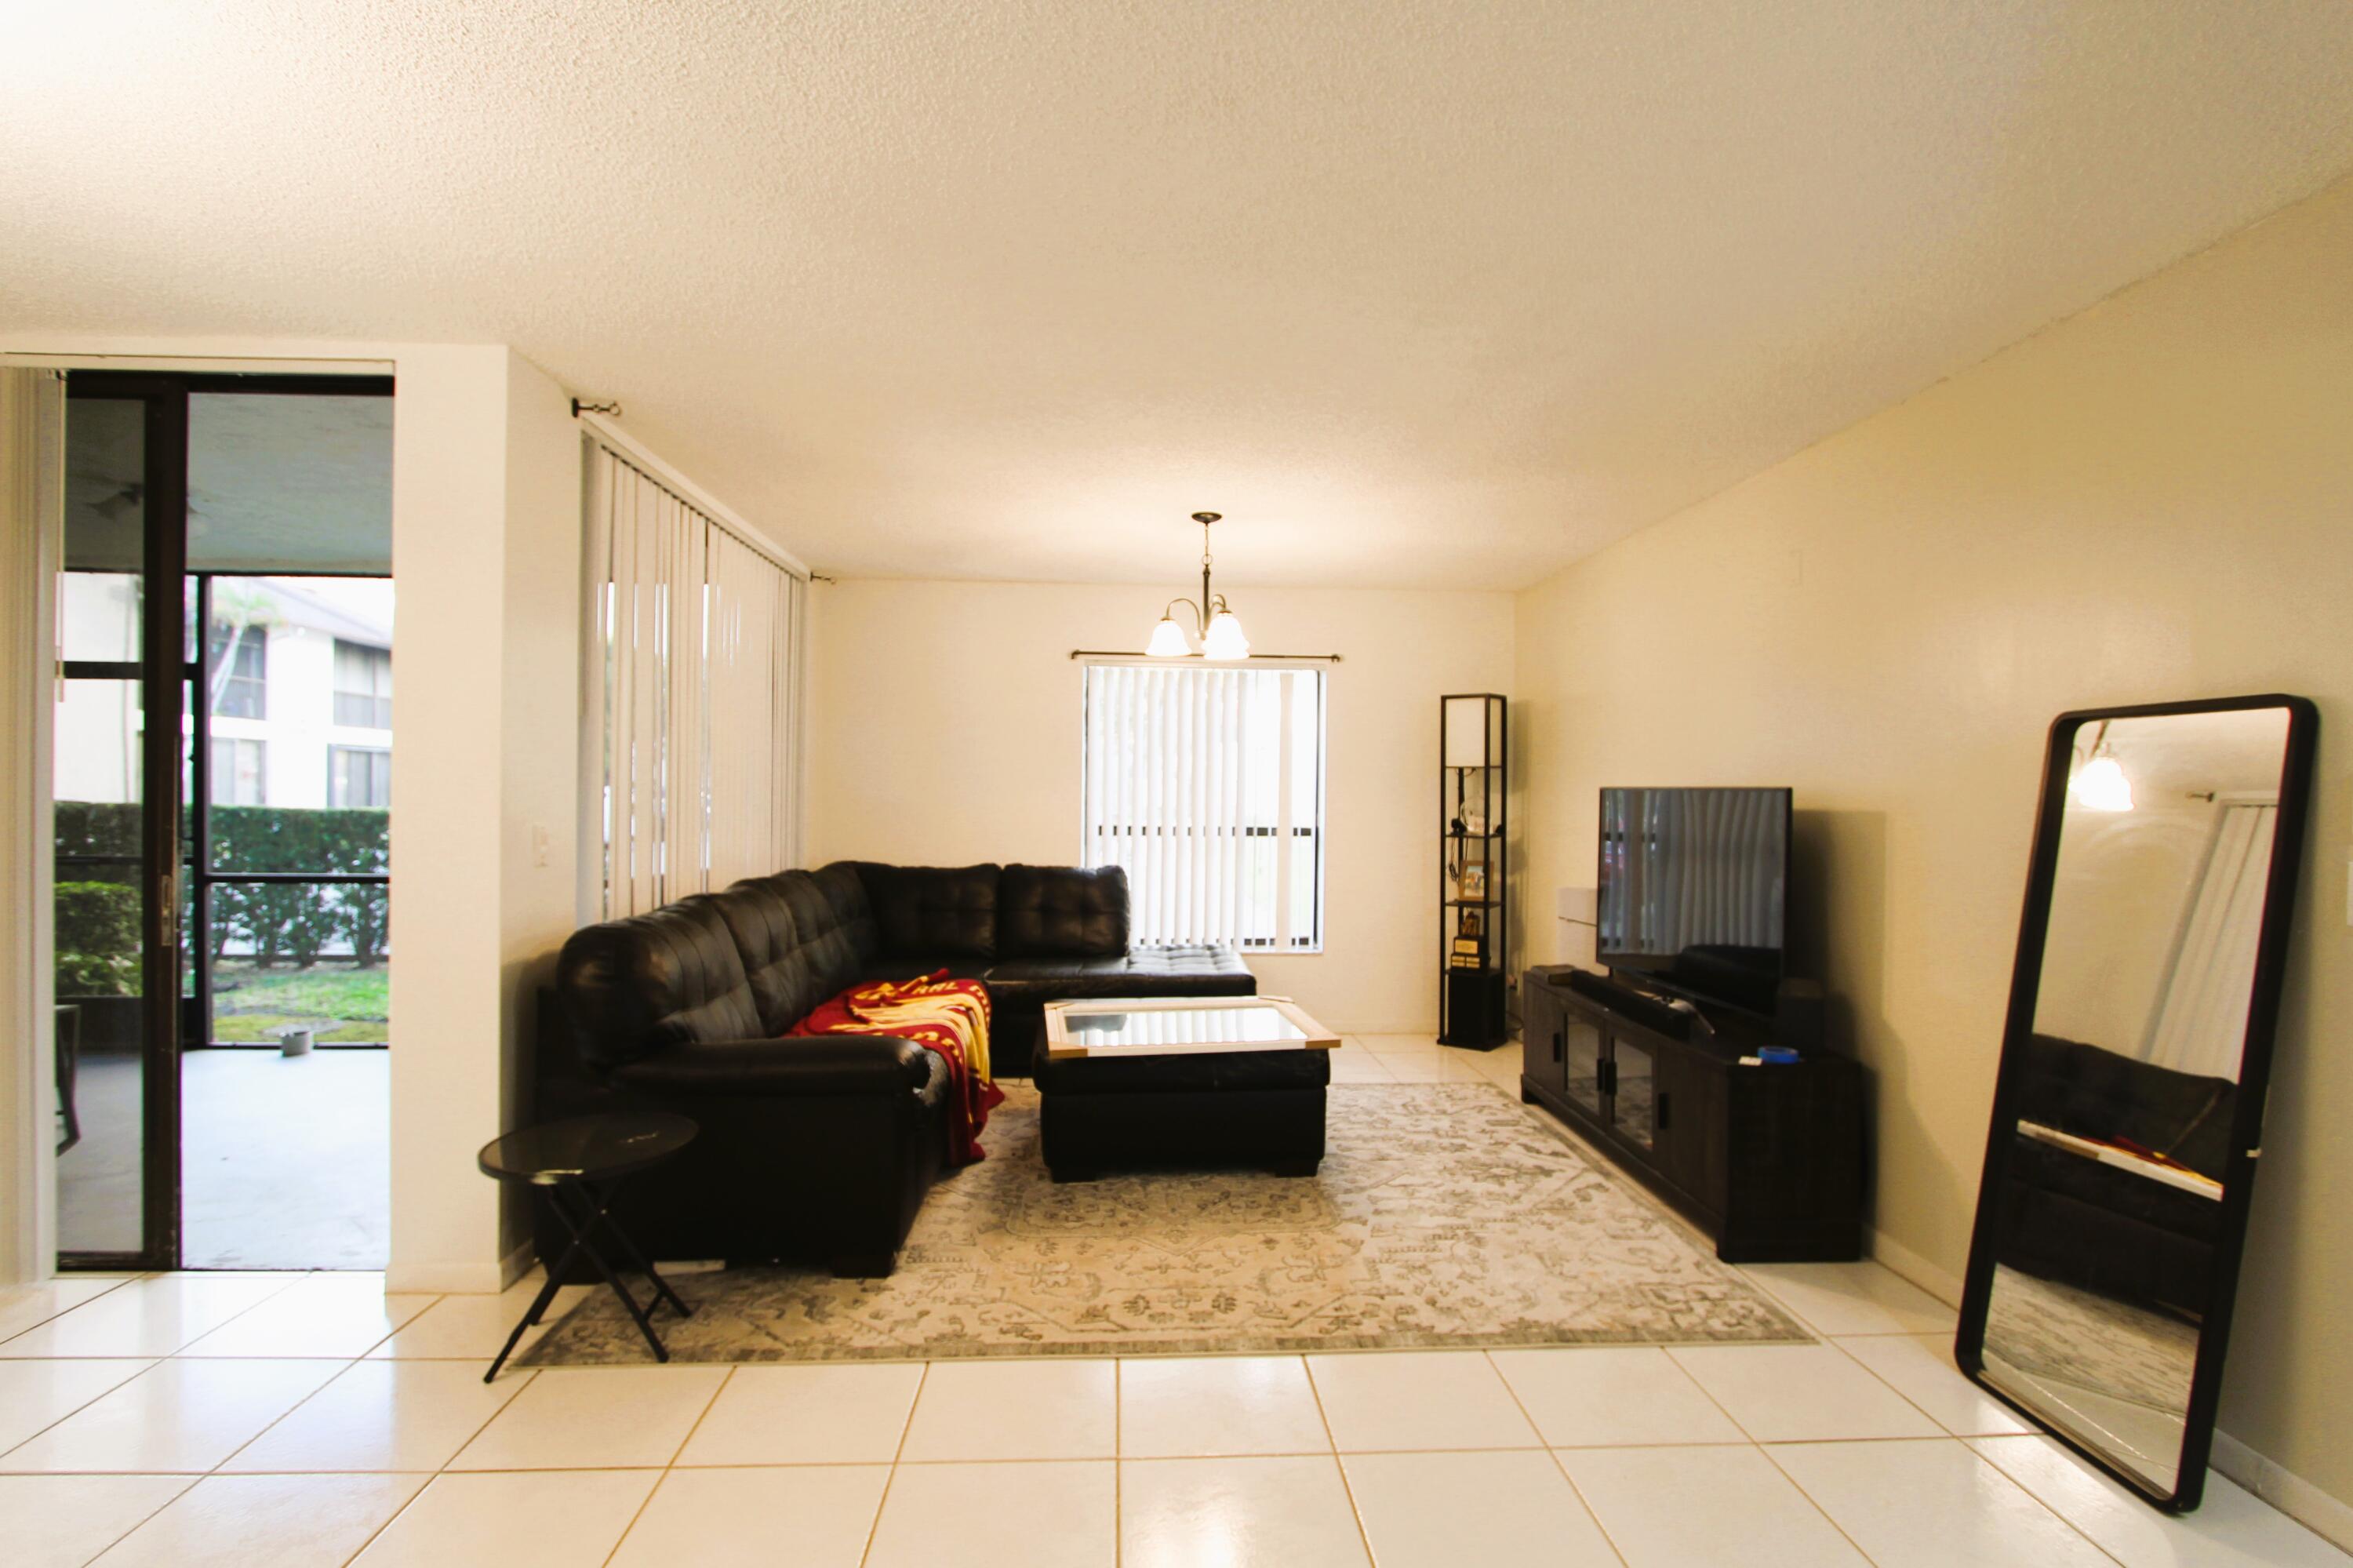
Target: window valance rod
x=1128, y=656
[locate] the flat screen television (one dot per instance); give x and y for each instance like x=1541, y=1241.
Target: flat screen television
x=1694, y=892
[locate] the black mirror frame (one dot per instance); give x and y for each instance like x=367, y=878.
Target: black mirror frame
x=2255, y=1074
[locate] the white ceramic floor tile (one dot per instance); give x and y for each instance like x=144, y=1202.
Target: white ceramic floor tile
x=63, y=1522
x=1218, y=1405
x=1933, y=1505
x=33, y=1394
x=472, y=1327
x=1399, y=1044
x=1842, y=1298
x=1418, y=1399
x=1595, y=1396
x=265, y=1522
x=1354, y=1064
x=2232, y=1528
x=1428, y=1067
x=827, y=1414
x=150, y=1316
x=594, y=1418
x=341, y=1315
x=1057, y=1514
x=27, y=1306
x=175, y=1416
x=1920, y=1367
x=1258, y=1512
x=1802, y=1394
x=732, y=1519
x=1441, y=1510
x=1043, y=1409
x=544, y=1519
x=1703, y=1507
x=382, y=1415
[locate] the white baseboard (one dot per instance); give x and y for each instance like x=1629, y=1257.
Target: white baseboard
x=1901, y=1259
x=2286, y=1490
x=451, y=1278
x=2280, y=1487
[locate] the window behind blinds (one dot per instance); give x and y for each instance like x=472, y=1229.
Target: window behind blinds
x=1206, y=784
x=693, y=679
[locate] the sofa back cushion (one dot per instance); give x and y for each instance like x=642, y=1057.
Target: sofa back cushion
x=776, y=960
x=1062, y=912
x=2098, y=1094
x=636, y=986
x=933, y=911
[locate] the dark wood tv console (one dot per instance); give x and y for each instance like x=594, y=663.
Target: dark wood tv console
x=1767, y=1160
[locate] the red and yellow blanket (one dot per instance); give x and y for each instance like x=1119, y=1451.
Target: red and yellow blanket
x=949, y=1016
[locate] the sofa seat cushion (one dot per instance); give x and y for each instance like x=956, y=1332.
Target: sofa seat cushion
x=1198, y=969
x=1193, y=1071
x=893, y=967
x=945, y=911
x=1062, y=912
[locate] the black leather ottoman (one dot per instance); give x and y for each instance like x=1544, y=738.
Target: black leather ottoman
x=1199, y=1111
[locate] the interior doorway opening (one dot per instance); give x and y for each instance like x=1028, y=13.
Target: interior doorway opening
x=224, y=729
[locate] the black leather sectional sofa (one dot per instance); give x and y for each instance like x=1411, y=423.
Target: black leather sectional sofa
x=820, y=1148
x=2110, y=1231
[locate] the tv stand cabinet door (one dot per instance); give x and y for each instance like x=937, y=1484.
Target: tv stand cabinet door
x=1544, y=1036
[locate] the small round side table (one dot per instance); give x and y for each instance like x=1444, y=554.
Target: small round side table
x=575, y=1167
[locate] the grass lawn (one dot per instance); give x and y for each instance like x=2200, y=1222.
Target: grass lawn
x=345, y=1005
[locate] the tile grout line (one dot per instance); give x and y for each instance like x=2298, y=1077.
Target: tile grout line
x=1554, y=1454
x=1118, y=1460
x=874, y=1525
x=1347, y=1487
x=647, y=1501
x=443, y=1468
x=112, y=1288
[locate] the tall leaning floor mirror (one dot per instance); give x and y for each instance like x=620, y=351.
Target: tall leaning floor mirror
x=2128, y=1112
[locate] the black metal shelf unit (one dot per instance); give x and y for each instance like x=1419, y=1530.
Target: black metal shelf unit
x=1474, y=916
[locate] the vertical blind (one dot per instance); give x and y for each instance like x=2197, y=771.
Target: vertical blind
x=693, y=677
x=1207, y=785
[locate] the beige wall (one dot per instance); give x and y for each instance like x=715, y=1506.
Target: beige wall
x=486, y=541
x=2153, y=500
x=945, y=730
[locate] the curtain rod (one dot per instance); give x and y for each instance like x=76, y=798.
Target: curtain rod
x=1129, y=657
x=642, y=458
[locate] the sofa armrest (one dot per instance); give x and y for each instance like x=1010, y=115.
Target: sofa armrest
x=797, y=1065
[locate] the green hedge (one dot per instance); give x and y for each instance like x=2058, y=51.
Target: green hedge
x=293, y=922
x=97, y=939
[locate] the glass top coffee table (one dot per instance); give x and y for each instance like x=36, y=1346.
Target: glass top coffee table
x=1175, y=1025
x=1182, y=1083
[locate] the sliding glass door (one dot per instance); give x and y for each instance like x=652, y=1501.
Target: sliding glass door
x=224, y=748
x=120, y=697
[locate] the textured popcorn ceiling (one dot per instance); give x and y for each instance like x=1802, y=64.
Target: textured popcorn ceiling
x=1440, y=294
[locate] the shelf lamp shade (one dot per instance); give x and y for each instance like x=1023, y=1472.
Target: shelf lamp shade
x=1168, y=640
x=1466, y=733
x=1224, y=639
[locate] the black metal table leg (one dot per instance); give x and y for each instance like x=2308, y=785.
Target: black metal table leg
x=579, y=1165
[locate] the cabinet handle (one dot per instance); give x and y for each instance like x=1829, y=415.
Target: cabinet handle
x=1666, y=1103
x=1558, y=1050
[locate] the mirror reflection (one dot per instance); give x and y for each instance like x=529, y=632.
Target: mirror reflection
x=2111, y=1201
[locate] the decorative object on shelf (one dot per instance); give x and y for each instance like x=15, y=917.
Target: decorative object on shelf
x=1473, y=929
x=2126, y=1121
x=1218, y=629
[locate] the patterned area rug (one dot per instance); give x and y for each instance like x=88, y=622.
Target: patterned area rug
x=1445, y=1215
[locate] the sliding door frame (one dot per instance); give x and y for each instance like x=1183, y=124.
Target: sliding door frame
x=175, y=865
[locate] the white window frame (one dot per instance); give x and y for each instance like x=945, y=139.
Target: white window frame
x=1285, y=941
